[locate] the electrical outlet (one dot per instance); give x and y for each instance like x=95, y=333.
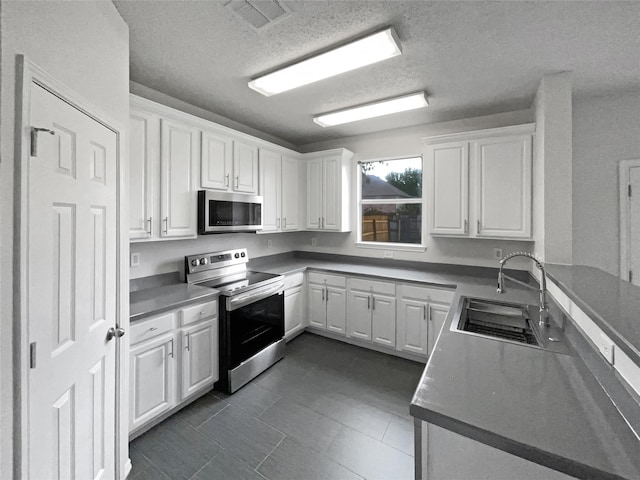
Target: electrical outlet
x=388, y=254
x=314, y=241
x=135, y=259
x=497, y=253
x=269, y=243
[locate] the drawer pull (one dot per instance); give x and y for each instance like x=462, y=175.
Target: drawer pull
x=153, y=329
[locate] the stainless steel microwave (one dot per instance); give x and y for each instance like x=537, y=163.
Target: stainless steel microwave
x=220, y=212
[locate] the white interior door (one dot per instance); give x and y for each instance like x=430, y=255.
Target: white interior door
x=634, y=225
x=71, y=293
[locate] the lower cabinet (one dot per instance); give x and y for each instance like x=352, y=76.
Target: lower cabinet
x=422, y=312
x=372, y=311
x=327, y=302
x=293, y=305
x=168, y=363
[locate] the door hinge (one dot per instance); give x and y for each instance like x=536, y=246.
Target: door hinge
x=34, y=139
x=32, y=355
x=629, y=190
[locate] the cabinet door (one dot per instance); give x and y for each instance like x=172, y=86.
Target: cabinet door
x=314, y=193
x=290, y=194
x=199, y=357
x=317, y=306
x=270, y=188
x=503, y=186
x=450, y=189
x=245, y=168
x=144, y=161
x=293, y=311
x=178, y=193
x=336, y=309
x=359, y=315
x=331, y=193
x=412, y=326
x=152, y=379
x=383, y=320
x=437, y=316
x=216, y=160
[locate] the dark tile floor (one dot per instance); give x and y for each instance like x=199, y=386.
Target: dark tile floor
x=329, y=410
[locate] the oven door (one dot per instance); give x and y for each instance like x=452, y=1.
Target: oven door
x=253, y=327
x=227, y=212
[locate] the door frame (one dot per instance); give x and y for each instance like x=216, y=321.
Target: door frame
x=28, y=73
x=625, y=257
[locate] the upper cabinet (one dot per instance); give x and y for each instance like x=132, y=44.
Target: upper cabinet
x=481, y=183
x=280, y=189
x=163, y=154
x=227, y=164
x=328, y=181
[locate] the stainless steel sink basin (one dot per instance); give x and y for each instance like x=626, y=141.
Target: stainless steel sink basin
x=507, y=322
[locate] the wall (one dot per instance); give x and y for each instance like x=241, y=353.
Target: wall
x=606, y=129
x=405, y=142
x=86, y=46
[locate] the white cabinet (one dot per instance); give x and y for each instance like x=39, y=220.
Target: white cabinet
x=481, y=183
x=228, y=164
x=216, y=161
x=153, y=372
x=327, y=302
x=293, y=305
x=421, y=314
x=169, y=363
x=280, y=189
x=199, y=357
x=372, y=311
x=503, y=186
x=163, y=166
x=328, y=182
x=178, y=160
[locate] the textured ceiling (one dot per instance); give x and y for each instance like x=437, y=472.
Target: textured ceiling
x=473, y=58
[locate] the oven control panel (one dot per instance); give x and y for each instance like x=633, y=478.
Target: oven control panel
x=214, y=260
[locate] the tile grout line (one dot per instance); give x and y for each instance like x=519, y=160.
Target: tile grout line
x=272, y=450
x=212, y=416
x=204, y=466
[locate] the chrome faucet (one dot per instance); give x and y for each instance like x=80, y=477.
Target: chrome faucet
x=544, y=311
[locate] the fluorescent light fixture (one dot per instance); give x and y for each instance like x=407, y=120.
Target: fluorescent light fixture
x=377, y=109
x=359, y=53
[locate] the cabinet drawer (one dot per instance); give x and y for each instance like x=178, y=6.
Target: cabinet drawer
x=152, y=327
x=198, y=312
x=426, y=294
x=333, y=280
x=293, y=280
x=368, y=285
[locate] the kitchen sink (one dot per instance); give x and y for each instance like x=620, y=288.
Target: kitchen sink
x=496, y=319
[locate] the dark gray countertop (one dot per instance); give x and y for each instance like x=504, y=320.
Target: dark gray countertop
x=150, y=301
x=542, y=406
x=609, y=301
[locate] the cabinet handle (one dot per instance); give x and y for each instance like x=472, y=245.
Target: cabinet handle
x=323, y=294
x=153, y=329
x=226, y=180
x=322, y=222
x=326, y=296
x=278, y=222
x=149, y=222
x=465, y=225
x=478, y=227
x=166, y=225
x=188, y=347
x=373, y=303
x=171, y=351
x=424, y=312
x=369, y=302
x=285, y=222
x=237, y=181
x=319, y=224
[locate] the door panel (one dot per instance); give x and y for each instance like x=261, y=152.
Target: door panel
x=199, y=357
x=293, y=311
x=291, y=194
x=634, y=224
x=437, y=317
x=143, y=155
x=314, y=193
x=216, y=159
x=383, y=320
x=317, y=306
x=450, y=189
x=359, y=315
x=336, y=309
x=270, y=188
x=331, y=194
x=71, y=292
x=245, y=168
x=412, y=326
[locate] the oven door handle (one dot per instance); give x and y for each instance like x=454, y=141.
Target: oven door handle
x=240, y=301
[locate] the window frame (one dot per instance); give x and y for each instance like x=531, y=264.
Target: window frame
x=411, y=247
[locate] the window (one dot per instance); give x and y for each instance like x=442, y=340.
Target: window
x=390, y=210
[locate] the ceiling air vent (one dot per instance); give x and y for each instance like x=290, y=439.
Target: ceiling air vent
x=259, y=13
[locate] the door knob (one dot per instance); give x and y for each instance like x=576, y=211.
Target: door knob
x=114, y=332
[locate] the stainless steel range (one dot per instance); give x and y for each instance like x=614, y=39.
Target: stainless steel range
x=251, y=314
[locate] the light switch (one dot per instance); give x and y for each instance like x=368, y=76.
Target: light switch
x=135, y=259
